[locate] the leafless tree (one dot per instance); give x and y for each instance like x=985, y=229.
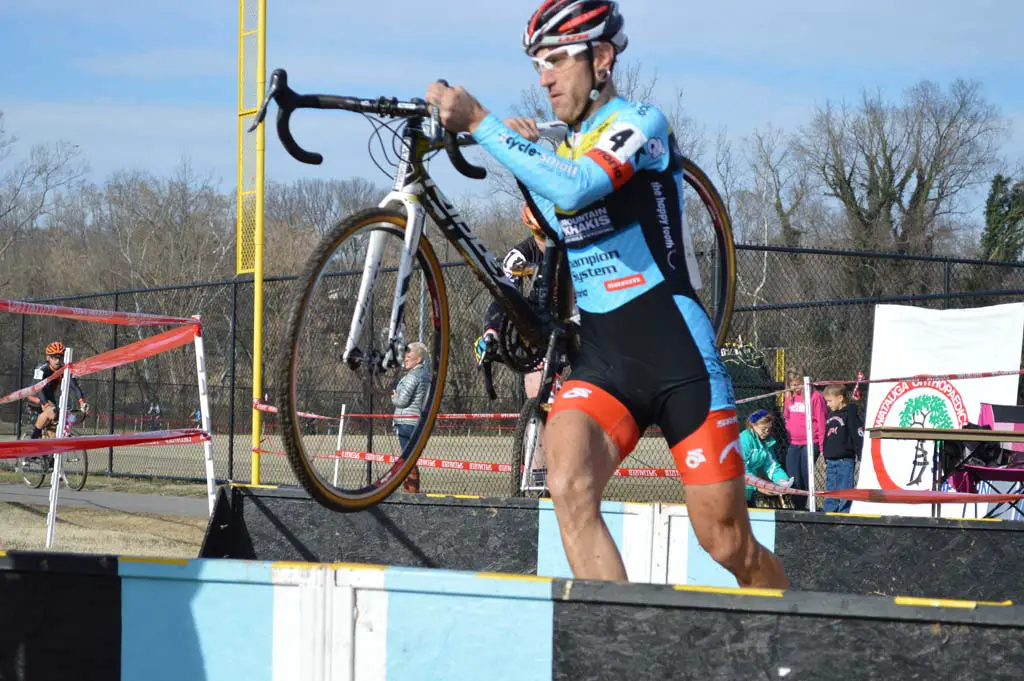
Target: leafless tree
x=27, y=188
x=782, y=178
x=897, y=169
x=318, y=203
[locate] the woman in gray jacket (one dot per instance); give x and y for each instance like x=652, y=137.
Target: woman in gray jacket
x=409, y=398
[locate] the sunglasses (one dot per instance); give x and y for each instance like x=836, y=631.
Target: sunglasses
x=558, y=59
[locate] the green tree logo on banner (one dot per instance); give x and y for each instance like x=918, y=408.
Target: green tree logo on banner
x=924, y=411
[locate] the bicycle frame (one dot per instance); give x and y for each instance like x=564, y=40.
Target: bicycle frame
x=415, y=193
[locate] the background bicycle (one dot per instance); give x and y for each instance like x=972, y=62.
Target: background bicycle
x=75, y=465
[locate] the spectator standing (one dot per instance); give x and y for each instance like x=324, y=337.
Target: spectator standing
x=795, y=414
x=409, y=398
x=844, y=436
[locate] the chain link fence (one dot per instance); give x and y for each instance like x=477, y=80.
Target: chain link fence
x=807, y=308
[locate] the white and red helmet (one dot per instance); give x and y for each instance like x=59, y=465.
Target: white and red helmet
x=564, y=22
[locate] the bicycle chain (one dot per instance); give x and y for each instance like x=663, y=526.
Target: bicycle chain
x=516, y=352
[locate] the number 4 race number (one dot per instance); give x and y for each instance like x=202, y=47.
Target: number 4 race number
x=622, y=141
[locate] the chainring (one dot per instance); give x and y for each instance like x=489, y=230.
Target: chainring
x=516, y=352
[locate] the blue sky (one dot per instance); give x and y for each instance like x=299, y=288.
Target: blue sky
x=144, y=84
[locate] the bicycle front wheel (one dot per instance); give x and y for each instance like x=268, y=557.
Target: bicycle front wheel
x=336, y=353
x=710, y=230
x=33, y=471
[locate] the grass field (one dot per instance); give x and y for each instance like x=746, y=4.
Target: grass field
x=85, y=530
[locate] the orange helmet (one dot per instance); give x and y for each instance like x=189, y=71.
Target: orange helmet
x=530, y=221
x=55, y=348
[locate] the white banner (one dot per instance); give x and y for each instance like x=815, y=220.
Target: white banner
x=910, y=341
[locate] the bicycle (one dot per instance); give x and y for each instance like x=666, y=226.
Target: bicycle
x=529, y=425
x=74, y=465
x=532, y=337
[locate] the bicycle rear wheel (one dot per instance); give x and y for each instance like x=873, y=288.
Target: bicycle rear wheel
x=75, y=467
x=525, y=444
x=313, y=376
x=710, y=229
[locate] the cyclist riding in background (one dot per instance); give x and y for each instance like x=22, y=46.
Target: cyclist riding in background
x=524, y=259
x=613, y=194
x=47, y=400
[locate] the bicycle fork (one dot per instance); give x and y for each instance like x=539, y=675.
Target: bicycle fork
x=371, y=269
x=545, y=399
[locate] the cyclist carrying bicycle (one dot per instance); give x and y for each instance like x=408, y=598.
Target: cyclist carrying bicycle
x=46, y=403
x=613, y=193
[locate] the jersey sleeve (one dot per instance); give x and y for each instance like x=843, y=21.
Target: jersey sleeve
x=76, y=386
x=636, y=139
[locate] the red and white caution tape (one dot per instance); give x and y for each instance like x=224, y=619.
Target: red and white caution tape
x=87, y=315
x=260, y=405
x=885, y=496
x=22, y=448
x=32, y=389
x=875, y=495
x=147, y=347
x=918, y=378
x=142, y=349
x=927, y=377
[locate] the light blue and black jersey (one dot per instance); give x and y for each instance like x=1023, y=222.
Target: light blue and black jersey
x=614, y=193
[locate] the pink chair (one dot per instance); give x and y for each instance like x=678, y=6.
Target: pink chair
x=999, y=417
x=1003, y=417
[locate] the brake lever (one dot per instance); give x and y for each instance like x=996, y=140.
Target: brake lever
x=451, y=145
x=432, y=129
x=275, y=83
x=489, y=381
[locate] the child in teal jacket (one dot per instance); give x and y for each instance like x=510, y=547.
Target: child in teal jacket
x=759, y=451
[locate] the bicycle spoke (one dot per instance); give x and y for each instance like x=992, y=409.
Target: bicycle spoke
x=368, y=461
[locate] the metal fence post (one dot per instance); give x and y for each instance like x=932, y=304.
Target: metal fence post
x=21, y=372
x=231, y=407
x=113, y=391
x=946, y=267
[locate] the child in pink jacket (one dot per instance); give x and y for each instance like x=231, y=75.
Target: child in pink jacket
x=794, y=412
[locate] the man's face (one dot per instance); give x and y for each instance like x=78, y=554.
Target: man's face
x=568, y=80
x=55, y=361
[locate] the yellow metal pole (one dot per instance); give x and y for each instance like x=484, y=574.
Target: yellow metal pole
x=240, y=261
x=257, y=297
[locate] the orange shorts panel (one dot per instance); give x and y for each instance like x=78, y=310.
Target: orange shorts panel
x=712, y=453
x=610, y=414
